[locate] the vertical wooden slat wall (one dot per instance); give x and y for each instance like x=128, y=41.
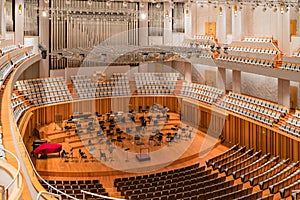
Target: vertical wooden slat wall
x=235, y=129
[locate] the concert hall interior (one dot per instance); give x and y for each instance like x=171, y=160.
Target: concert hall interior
x=151, y=99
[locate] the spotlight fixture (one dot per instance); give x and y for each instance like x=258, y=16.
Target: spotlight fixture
x=142, y=5
x=275, y=9
x=264, y=9
x=124, y=4
x=220, y=11
x=158, y=5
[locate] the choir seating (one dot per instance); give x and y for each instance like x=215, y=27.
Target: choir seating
x=200, y=92
x=156, y=83
x=94, y=87
x=74, y=187
x=256, y=109
x=44, y=91
x=292, y=124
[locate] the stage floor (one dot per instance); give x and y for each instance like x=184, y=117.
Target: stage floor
x=122, y=161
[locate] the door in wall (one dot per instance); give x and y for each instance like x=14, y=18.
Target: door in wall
x=210, y=28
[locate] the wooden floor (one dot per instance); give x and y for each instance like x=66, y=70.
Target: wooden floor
x=120, y=162
x=185, y=151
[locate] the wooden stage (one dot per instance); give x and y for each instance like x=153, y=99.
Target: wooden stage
x=121, y=161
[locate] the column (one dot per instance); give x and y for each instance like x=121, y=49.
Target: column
x=168, y=39
x=2, y=20
x=143, y=23
x=284, y=31
x=236, y=25
x=188, y=71
x=221, y=78
x=236, y=81
x=284, y=92
x=221, y=25
x=44, y=33
x=19, y=22
x=188, y=21
x=247, y=21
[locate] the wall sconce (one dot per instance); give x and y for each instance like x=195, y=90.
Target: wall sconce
x=235, y=9
x=143, y=16
x=220, y=11
x=281, y=8
x=187, y=11
x=167, y=13
x=20, y=9
x=44, y=12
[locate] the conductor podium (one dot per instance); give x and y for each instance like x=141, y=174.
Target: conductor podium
x=143, y=156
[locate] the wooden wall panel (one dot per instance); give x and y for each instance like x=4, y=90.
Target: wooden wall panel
x=235, y=129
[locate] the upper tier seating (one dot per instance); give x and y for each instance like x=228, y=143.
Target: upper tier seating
x=292, y=125
x=156, y=83
x=43, y=91
x=204, y=37
x=246, y=60
x=200, y=92
x=92, y=87
x=257, y=39
x=252, y=50
x=260, y=110
x=18, y=105
x=290, y=66
x=8, y=48
x=2, y=154
x=9, y=66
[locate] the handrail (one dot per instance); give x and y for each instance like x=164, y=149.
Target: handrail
x=16, y=176
x=98, y=195
x=22, y=67
x=50, y=193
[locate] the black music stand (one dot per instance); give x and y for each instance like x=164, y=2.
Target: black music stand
x=127, y=149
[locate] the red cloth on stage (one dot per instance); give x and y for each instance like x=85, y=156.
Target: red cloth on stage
x=47, y=148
